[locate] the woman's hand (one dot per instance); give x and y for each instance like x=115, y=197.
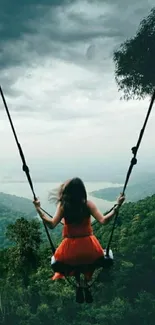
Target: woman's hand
x=121, y=199
x=37, y=204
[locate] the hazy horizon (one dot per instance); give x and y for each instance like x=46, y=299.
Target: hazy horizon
x=42, y=190
x=112, y=175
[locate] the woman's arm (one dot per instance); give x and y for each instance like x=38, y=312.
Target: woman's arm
x=51, y=222
x=99, y=216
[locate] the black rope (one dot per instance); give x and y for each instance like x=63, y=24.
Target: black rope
x=25, y=167
x=132, y=163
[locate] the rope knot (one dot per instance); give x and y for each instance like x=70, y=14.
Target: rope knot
x=25, y=169
x=134, y=161
x=134, y=150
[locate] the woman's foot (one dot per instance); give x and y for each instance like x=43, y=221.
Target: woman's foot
x=79, y=295
x=88, y=296
x=57, y=276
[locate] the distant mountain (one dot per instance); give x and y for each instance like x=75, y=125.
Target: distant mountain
x=12, y=208
x=136, y=191
x=18, y=204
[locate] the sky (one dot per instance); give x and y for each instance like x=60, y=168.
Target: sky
x=57, y=75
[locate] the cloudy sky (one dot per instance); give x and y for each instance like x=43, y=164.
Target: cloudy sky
x=57, y=74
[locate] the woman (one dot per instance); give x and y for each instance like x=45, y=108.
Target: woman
x=79, y=245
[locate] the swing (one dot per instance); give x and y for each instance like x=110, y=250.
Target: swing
x=107, y=260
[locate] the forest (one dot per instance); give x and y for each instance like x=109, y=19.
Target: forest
x=28, y=296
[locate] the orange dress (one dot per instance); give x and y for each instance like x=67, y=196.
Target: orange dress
x=79, y=245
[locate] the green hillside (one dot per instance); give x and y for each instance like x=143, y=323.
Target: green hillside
x=17, y=204
x=12, y=208
x=29, y=297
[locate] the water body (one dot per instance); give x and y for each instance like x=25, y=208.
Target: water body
x=42, y=190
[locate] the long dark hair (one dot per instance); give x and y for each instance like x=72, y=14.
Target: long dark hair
x=72, y=196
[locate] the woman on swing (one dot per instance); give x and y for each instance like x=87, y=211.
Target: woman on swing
x=79, y=245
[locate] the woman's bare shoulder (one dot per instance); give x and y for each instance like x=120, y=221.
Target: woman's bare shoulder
x=90, y=204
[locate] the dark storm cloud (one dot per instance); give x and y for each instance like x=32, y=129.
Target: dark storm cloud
x=30, y=29
x=17, y=18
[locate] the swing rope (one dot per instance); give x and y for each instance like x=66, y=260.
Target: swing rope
x=133, y=163
x=26, y=168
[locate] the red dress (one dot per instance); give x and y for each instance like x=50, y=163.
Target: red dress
x=79, y=245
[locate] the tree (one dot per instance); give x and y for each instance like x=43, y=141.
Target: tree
x=135, y=61
x=24, y=257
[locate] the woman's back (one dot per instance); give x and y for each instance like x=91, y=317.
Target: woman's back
x=82, y=229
